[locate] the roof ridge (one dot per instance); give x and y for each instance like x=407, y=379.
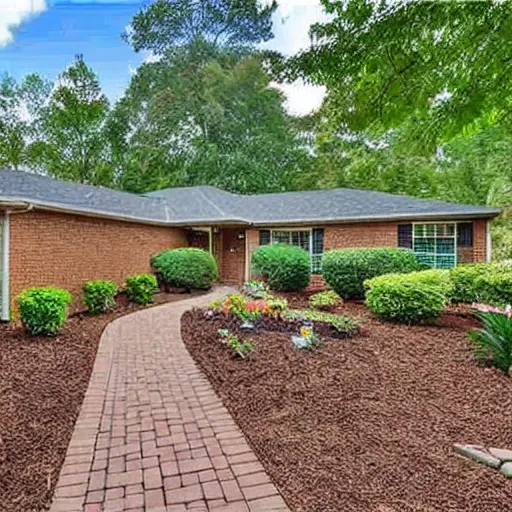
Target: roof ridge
x=211, y=203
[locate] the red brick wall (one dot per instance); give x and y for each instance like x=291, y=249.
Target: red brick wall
x=479, y=240
x=54, y=249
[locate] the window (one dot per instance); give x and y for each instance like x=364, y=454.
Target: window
x=435, y=244
x=465, y=234
x=405, y=236
x=311, y=240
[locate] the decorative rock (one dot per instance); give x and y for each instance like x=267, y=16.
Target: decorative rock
x=506, y=469
x=478, y=454
x=501, y=453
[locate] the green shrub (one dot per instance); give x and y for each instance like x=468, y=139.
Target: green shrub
x=99, y=296
x=140, y=288
x=463, y=278
x=494, y=287
x=190, y=268
x=493, y=341
x=325, y=300
x=345, y=270
x=338, y=322
x=409, y=298
x=43, y=310
x=285, y=267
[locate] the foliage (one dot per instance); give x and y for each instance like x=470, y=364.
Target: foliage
x=233, y=305
x=308, y=339
x=43, y=310
x=256, y=289
x=345, y=270
x=140, y=288
x=494, y=287
x=186, y=268
x=409, y=298
x=99, y=296
x=169, y=23
x=338, y=322
x=463, y=278
x=242, y=348
x=493, y=341
x=276, y=306
x=285, y=267
x=325, y=300
x=251, y=309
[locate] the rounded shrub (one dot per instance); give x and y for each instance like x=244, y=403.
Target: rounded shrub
x=463, y=278
x=494, y=287
x=43, y=310
x=99, y=296
x=325, y=300
x=285, y=267
x=140, y=288
x=409, y=298
x=345, y=270
x=188, y=267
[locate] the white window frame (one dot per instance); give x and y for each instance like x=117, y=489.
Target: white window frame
x=306, y=230
x=435, y=254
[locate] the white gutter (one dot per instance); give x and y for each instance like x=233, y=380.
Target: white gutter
x=5, y=306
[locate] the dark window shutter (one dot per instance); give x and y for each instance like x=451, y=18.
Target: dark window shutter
x=264, y=236
x=405, y=236
x=318, y=241
x=465, y=234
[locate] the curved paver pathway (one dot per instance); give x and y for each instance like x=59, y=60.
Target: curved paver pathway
x=153, y=435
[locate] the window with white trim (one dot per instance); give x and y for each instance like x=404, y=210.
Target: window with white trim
x=435, y=244
x=311, y=240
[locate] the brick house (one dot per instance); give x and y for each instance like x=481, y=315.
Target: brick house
x=62, y=234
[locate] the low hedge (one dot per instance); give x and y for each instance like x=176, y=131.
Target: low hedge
x=140, y=288
x=346, y=270
x=409, y=298
x=189, y=267
x=494, y=287
x=285, y=267
x=99, y=296
x=463, y=278
x=43, y=310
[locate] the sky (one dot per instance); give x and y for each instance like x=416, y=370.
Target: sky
x=44, y=36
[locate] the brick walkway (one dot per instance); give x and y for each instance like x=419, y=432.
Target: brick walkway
x=153, y=435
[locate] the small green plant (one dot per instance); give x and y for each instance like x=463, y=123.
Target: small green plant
x=256, y=289
x=409, y=298
x=99, y=296
x=308, y=339
x=285, y=267
x=339, y=322
x=325, y=300
x=242, y=348
x=234, y=305
x=493, y=341
x=43, y=310
x=140, y=288
x=186, y=268
x=345, y=270
x=276, y=306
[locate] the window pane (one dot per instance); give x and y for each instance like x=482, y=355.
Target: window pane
x=465, y=234
x=318, y=241
x=405, y=236
x=446, y=246
x=316, y=263
x=264, y=236
x=280, y=237
x=424, y=245
x=435, y=244
x=427, y=259
x=445, y=261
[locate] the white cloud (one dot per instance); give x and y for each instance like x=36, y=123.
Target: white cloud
x=15, y=12
x=292, y=21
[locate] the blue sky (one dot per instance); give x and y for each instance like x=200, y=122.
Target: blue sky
x=44, y=35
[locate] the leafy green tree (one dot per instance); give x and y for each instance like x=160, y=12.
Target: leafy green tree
x=74, y=144
x=166, y=24
x=204, y=115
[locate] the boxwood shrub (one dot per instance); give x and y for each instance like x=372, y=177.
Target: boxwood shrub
x=140, y=288
x=285, y=267
x=494, y=287
x=409, y=298
x=345, y=270
x=43, y=310
x=188, y=267
x=463, y=278
x=99, y=296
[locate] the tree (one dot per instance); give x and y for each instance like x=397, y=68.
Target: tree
x=74, y=144
x=21, y=111
x=204, y=115
x=169, y=23
x=385, y=61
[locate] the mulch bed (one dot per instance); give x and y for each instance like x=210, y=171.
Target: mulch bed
x=42, y=385
x=368, y=423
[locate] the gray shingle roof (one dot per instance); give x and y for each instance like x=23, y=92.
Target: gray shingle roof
x=209, y=205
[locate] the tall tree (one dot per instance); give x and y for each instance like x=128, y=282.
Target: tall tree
x=74, y=146
x=165, y=24
x=204, y=115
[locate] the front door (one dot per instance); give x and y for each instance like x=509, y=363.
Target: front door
x=232, y=264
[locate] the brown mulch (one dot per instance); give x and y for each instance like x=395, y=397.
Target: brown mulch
x=368, y=423
x=42, y=385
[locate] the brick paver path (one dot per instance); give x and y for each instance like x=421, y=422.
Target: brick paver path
x=153, y=435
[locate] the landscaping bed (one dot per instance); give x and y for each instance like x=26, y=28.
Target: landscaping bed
x=366, y=423
x=43, y=380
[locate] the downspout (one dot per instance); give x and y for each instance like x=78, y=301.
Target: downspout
x=5, y=313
